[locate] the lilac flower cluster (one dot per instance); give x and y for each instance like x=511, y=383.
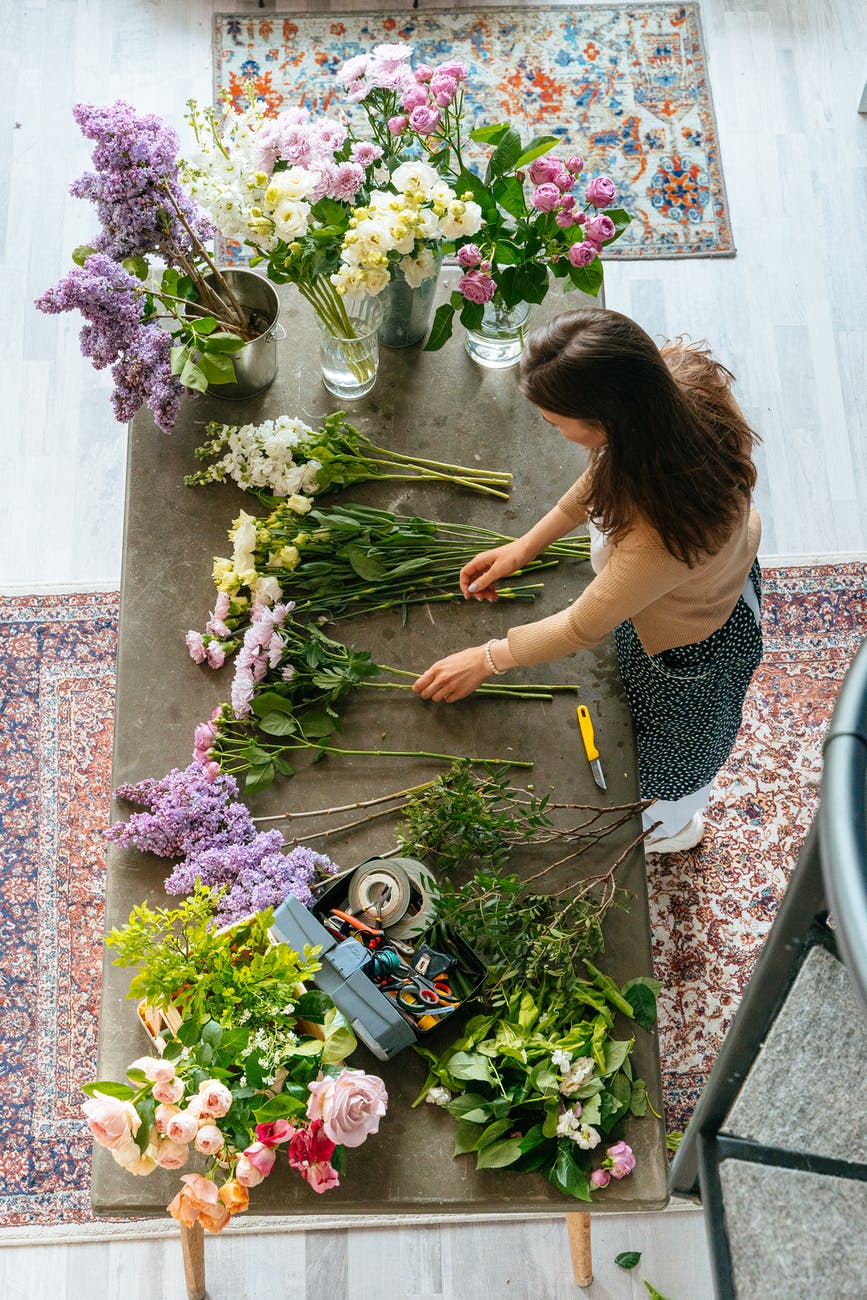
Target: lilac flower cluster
x=141, y=206
x=195, y=815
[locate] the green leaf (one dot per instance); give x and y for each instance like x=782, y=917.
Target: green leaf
x=192, y=377
x=586, y=278
x=315, y=724
x=490, y=134
x=136, y=266
x=528, y=1012
x=627, y=1258
x=641, y=994
x=510, y=196
x=469, y=183
x=340, y=1041
x=217, y=369
x=494, y=1131
x=506, y=154
x=279, y=1107
x=609, y=989
x=145, y=1109
x=364, y=565
x=552, y=1116
x=271, y=702
x=654, y=1294
x=178, y=359
x=541, y=144
x=472, y=315
x=543, y=1079
x=314, y=1006
x=258, y=778
x=533, y=1138
x=220, y=341
x=212, y=1033
x=616, y=1052
x=467, y=1136
x=278, y=724
x=471, y=1106
x=81, y=254
x=621, y=219
x=441, y=330
x=568, y=1176
x=499, y=1154
x=203, y=324
x=590, y=1112
x=470, y=1065
x=119, y=1090
x=638, y=1098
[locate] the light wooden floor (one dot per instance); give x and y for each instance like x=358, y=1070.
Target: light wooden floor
x=787, y=314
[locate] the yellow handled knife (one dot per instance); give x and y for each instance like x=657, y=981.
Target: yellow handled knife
x=590, y=749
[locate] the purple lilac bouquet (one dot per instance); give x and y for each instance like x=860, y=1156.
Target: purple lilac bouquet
x=194, y=815
x=145, y=213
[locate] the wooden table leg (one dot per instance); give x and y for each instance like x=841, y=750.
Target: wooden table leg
x=193, y=1248
x=578, y=1227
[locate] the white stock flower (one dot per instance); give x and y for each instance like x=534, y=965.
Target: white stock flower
x=568, y=1125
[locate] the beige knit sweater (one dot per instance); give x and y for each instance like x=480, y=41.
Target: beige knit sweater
x=670, y=604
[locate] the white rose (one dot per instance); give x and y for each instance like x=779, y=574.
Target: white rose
x=290, y=220
x=461, y=219
x=414, y=177
x=293, y=184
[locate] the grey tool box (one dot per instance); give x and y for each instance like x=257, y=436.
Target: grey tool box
x=373, y=1017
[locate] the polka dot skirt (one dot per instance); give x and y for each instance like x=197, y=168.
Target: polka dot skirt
x=687, y=703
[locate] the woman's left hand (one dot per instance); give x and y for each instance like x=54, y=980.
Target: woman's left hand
x=454, y=677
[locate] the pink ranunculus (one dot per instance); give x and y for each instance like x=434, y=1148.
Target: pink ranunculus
x=601, y=191
x=622, y=1160
x=546, y=197
x=423, y=72
x=477, y=287
x=397, y=124
x=582, y=254
x=182, y=1127
x=424, y=120
x=575, y=164
x=600, y=1178
x=209, y=1140
x=470, y=255
x=247, y=1174
x=261, y=1157
x=216, y=1098
x=279, y=1130
x=599, y=229
x=215, y=653
x=196, y=646
x=111, y=1121
x=349, y=1106
x=169, y=1093
x=321, y=1177
x=413, y=97
x=451, y=68
x=172, y=1155
x=544, y=170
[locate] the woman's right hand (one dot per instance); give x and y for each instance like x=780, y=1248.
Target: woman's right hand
x=479, y=578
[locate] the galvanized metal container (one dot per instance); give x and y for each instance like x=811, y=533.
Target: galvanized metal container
x=256, y=362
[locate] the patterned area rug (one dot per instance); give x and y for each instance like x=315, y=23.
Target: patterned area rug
x=626, y=86
x=710, y=908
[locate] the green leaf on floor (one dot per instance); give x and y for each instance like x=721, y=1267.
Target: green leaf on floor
x=654, y=1294
x=627, y=1258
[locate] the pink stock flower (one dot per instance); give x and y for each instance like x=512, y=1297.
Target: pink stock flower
x=397, y=124
x=279, y=1130
x=182, y=1127
x=196, y=646
x=620, y=1160
x=216, y=1098
x=582, y=254
x=260, y=1157
x=575, y=164
x=477, y=287
x=169, y=1093
x=423, y=72
x=601, y=191
x=470, y=255
x=349, y=1106
x=171, y=1154
x=321, y=1177
x=599, y=228
x=209, y=1140
x=546, y=197
x=600, y=1178
x=424, y=120
x=111, y=1121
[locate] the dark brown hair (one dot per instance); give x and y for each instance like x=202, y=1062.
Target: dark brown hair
x=679, y=449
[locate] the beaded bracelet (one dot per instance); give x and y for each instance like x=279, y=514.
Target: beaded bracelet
x=490, y=658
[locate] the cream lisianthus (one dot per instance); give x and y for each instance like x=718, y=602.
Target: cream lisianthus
x=419, y=267
x=291, y=185
x=291, y=219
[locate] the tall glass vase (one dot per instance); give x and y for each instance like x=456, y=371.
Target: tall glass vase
x=406, y=311
x=502, y=336
x=349, y=363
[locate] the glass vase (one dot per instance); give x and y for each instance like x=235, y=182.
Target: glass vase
x=349, y=362
x=502, y=336
x=407, y=312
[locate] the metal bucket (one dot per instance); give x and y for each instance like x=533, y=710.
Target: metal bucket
x=256, y=362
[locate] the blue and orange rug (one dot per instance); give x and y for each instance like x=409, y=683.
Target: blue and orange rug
x=626, y=86
x=710, y=909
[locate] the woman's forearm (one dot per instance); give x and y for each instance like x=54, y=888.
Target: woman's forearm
x=554, y=525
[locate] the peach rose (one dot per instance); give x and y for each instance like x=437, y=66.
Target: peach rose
x=155, y=1069
x=247, y=1174
x=162, y=1115
x=128, y=1156
x=169, y=1093
x=111, y=1121
x=216, y=1098
x=196, y=1106
x=198, y=1202
x=172, y=1155
x=182, y=1127
x=209, y=1140
x=235, y=1197
x=349, y=1106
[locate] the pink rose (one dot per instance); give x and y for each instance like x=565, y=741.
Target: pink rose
x=423, y=72
x=349, y=1106
x=413, y=97
x=546, y=197
x=196, y=646
x=155, y=1069
x=424, y=120
x=575, y=164
x=397, y=124
x=470, y=255
x=247, y=1174
x=582, y=254
x=279, y=1130
x=310, y=1146
x=601, y=192
x=443, y=88
x=172, y=1155
x=451, y=68
x=477, y=287
x=600, y=1178
x=260, y=1157
x=544, y=170
x=209, y=1140
x=599, y=229
x=321, y=1177
x=565, y=217
x=622, y=1161
x=182, y=1127
x=216, y=1098
x=169, y=1093
x=111, y=1121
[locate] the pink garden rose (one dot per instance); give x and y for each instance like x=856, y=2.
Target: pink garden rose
x=310, y=1152
x=566, y=217
x=279, y=1130
x=582, y=254
x=451, y=68
x=470, y=255
x=601, y=192
x=413, y=97
x=621, y=1158
x=544, y=170
x=349, y=1106
x=111, y=1121
x=477, y=287
x=169, y=1093
x=172, y=1155
x=154, y=1069
x=247, y=1174
x=397, y=124
x=260, y=1157
x=424, y=120
x=546, y=197
x=182, y=1127
x=198, y=1202
x=575, y=164
x=599, y=229
x=321, y=1177
x=209, y=1140
x=163, y=1114
x=443, y=88
x=600, y=1178
x=216, y=1098
x=423, y=72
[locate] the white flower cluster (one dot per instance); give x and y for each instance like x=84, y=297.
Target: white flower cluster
x=576, y=1074
x=438, y=1096
x=223, y=173
x=417, y=211
x=262, y=456
x=584, y=1135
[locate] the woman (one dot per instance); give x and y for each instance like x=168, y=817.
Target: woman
x=673, y=545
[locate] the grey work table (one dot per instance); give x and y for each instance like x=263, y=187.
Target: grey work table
x=439, y=405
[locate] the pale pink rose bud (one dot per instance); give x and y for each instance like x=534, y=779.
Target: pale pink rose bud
x=169, y=1093
x=575, y=164
x=397, y=124
x=216, y=1098
x=112, y=1122
x=600, y=1178
x=163, y=1114
x=622, y=1160
x=423, y=72
x=424, y=120
x=209, y=1140
x=172, y=1155
x=582, y=254
x=155, y=1069
x=451, y=68
x=182, y=1127
x=601, y=191
x=261, y=1157
x=247, y=1174
x=443, y=88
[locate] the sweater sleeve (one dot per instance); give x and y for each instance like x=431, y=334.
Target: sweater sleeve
x=635, y=576
x=570, y=502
